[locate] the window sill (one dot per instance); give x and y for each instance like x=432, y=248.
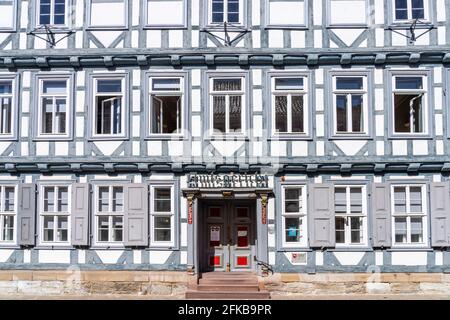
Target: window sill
x=286, y=27
x=109, y=138
x=54, y=29
x=228, y=138
x=408, y=248
x=167, y=137
x=106, y=28
x=161, y=247
x=230, y=28
x=45, y=246
x=410, y=137
x=295, y=249
x=53, y=138
x=350, y=137
x=407, y=25
x=347, y=26
x=164, y=27
x=12, y=30
x=9, y=246
x=8, y=138
x=107, y=247
x=351, y=248
x=289, y=137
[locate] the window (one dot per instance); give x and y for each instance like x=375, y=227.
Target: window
x=166, y=105
x=109, y=108
x=227, y=104
x=162, y=215
x=52, y=12
x=350, y=215
x=8, y=212
x=347, y=13
x=7, y=14
x=157, y=17
x=286, y=13
x=289, y=105
x=410, y=10
x=109, y=214
x=54, y=102
x=229, y=11
x=55, y=214
x=294, y=225
x=6, y=107
x=350, y=111
x=409, y=214
x=116, y=17
x=410, y=107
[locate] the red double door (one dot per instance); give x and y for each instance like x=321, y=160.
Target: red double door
x=229, y=236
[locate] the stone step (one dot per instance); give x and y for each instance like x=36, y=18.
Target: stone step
x=227, y=287
x=228, y=295
x=237, y=274
x=224, y=281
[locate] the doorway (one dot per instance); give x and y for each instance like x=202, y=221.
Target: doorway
x=227, y=235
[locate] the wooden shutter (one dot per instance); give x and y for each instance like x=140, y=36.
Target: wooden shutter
x=26, y=214
x=136, y=214
x=381, y=215
x=80, y=214
x=321, y=215
x=440, y=214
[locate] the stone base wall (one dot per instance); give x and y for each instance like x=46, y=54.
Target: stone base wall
x=56, y=282
x=357, y=283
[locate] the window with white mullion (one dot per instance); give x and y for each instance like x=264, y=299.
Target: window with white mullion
x=350, y=104
x=410, y=9
x=227, y=105
x=6, y=106
x=350, y=215
x=289, y=105
x=162, y=215
x=8, y=212
x=52, y=12
x=109, y=211
x=55, y=214
x=409, y=214
x=166, y=105
x=229, y=11
x=109, y=102
x=294, y=224
x=53, y=106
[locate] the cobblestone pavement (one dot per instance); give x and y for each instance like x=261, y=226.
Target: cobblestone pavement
x=274, y=297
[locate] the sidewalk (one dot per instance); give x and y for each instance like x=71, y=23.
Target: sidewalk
x=274, y=297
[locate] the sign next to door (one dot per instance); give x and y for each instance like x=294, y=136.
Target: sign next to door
x=228, y=181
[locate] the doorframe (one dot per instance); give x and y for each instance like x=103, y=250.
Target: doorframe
x=193, y=195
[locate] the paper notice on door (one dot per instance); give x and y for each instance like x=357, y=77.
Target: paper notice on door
x=242, y=233
x=215, y=234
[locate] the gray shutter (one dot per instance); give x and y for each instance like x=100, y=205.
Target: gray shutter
x=26, y=214
x=80, y=214
x=321, y=215
x=440, y=214
x=136, y=214
x=381, y=215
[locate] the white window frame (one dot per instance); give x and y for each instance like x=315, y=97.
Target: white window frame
x=408, y=214
x=347, y=24
x=13, y=95
x=68, y=95
x=107, y=26
x=149, y=25
x=52, y=16
x=289, y=93
x=242, y=13
x=348, y=214
x=303, y=215
x=124, y=106
x=154, y=213
x=4, y=213
x=110, y=214
x=181, y=93
x=349, y=93
x=243, y=93
x=287, y=25
x=425, y=103
x=13, y=27
x=426, y=13
x=55, y=214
